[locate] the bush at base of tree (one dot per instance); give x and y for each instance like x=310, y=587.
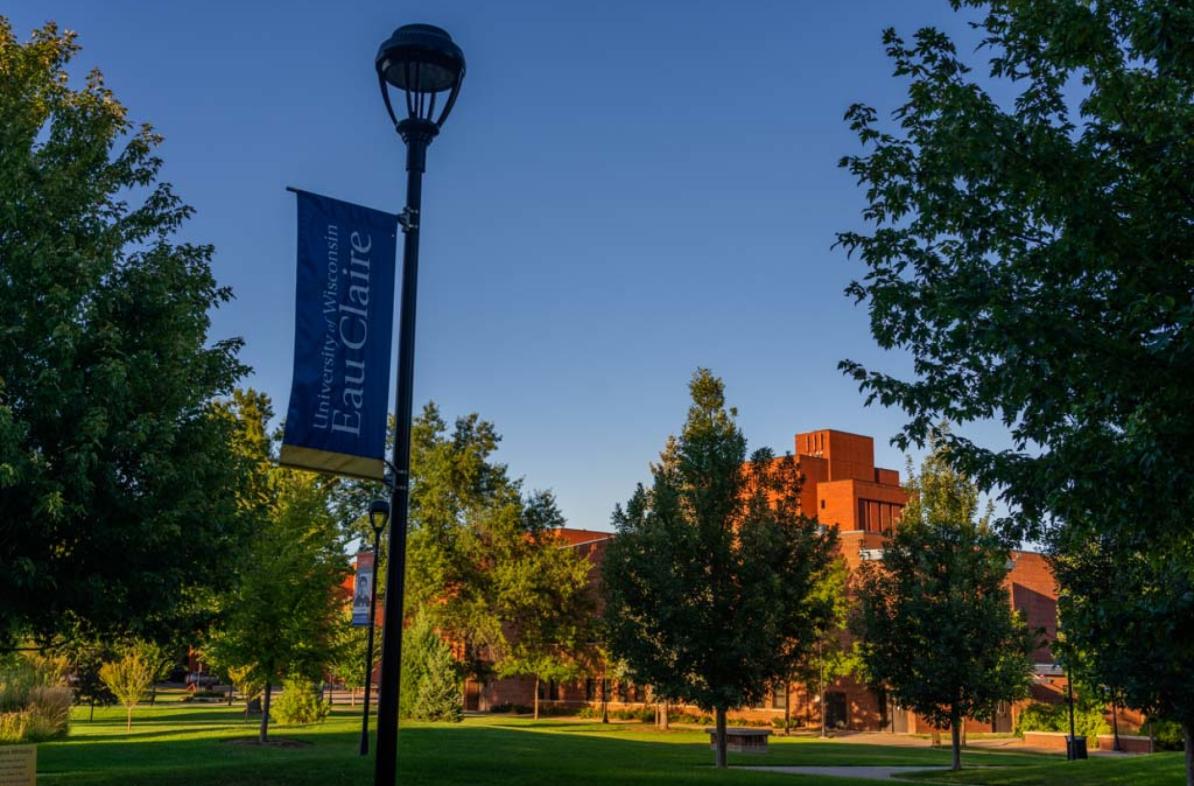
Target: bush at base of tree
x=300, y=703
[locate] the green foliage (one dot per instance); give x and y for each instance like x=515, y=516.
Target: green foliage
x=34, y=702
x=349, y=651
x=129, y=678
x=478, y=548
x=1089, y=719
x=283, y=618
x=546, y=598
x=437, y=696
x=300, y=703
x=430, y=682
x=833, y=655
x=112, y=464
x=709, y=584
x=934, y=615
x=1032, y=252
x=1167, y=735
x=1123, y=605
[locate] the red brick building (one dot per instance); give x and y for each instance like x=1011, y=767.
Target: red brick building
x=842, y=488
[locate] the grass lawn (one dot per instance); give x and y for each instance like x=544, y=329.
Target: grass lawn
x=173, y=743
x=1160, y=769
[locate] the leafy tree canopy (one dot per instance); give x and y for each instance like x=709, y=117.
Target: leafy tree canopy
x=708, y=585
x=1036, y=256
x=284, y=617
x=934, y=616
x=117, y=490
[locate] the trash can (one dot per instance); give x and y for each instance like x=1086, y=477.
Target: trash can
x=1075, y=747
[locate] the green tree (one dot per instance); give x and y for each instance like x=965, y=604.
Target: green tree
x=1032, y=252
x=833, y=654
x=708, y=585
x=934, y=616
x=437, y=696
x=546, y=600
x=474, y=537
x=348, y=660
x=430, y=679
x=128, y=679
x=281, y=619
x=108, y=443
x=1123, y=607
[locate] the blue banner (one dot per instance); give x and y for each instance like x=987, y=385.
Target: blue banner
x=344, y=318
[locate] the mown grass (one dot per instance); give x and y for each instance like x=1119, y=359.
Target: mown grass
x=173, y=743
x=1159, y=769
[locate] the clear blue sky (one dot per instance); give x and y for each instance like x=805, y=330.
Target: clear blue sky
x=625, y=191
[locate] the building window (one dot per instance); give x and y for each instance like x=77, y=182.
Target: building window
x=779, y=699
x=549, y=690
x=590, y=689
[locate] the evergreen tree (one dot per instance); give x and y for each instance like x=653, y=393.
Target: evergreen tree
x=430, y=681
x=108, y=443
x=438, y=693
x=709, y=583
x=934, y=615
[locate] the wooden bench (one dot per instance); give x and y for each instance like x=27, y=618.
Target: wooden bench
x=742, y=740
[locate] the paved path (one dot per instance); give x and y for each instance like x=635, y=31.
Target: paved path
x=873, y=773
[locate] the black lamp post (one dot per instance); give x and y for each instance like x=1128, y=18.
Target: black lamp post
x=423, y=63
x=379, y=514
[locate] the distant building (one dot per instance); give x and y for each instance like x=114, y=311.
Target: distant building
x=842, y=488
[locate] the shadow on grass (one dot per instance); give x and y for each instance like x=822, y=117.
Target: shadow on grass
x=524, y=753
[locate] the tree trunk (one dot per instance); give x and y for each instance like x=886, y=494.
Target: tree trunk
x=821, y=703
x=128, y=726
x=263, y=734
x=1188, y=739
x=604, y=699
x=352, y=697
x=787, y=708
x=536, y=697
x=663, y=719
x=91, y=716
x=955, y=733
x=719, y=757
x=1115, y=746
x=153, y=695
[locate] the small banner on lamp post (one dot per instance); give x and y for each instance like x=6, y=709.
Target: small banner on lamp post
x=344, y=318
x=362, y=589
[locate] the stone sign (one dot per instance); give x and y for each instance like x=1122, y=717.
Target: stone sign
x=18, y=765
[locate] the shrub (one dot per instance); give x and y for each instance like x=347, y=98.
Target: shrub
x=1166, y=734
x=13, y=727
x=49, y=713
x=438, y=697
x=1089, y=719
x=589, y=712
x=32, y=707
x=517, y=709
x=300, y=703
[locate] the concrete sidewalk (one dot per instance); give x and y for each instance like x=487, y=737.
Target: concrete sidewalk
x=872, y=773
